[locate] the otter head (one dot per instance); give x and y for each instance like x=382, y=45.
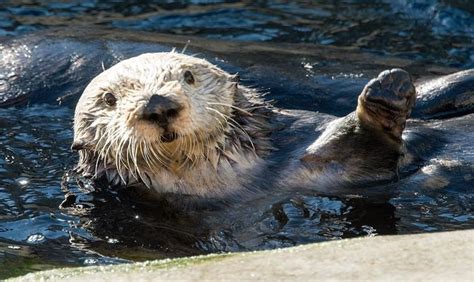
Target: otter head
x=151, y=112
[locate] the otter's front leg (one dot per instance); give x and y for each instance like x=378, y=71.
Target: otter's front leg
x=367, y=144
x=386, y=102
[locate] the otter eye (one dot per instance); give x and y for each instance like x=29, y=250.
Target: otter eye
x=188, y=77
x=109, y=99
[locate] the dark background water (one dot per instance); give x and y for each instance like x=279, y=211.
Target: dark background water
x=34, y=141
x=439, y=31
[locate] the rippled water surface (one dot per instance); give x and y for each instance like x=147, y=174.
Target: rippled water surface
x=435, y=31
x=97, y=227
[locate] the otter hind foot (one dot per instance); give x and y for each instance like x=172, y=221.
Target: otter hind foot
x=386, y=101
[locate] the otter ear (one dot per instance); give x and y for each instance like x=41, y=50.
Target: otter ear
x=78, y=145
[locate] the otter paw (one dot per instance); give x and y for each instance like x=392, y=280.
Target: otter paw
x=387, y=100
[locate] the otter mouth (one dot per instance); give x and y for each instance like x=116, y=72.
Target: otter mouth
x=168, y=137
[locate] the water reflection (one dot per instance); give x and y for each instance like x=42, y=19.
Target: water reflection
x=111, y=226
x=433, y=31
x=102, y=226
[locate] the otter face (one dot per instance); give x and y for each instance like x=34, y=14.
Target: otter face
x=152, y=109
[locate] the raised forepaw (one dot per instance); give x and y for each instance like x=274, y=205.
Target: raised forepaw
x=386, y=102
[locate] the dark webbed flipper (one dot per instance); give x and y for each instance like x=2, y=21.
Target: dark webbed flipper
x=386, y=102
x=366, y=145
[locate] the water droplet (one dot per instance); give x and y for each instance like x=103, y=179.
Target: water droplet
x=23, y=181
x=90, y=261
x=35, y=238
x=112, y=241
x=371, y=232
x=307, y=66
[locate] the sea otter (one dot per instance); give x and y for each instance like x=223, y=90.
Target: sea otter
x=435, y=165
x=178, y=124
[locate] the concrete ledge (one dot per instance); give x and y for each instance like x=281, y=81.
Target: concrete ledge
x=423, y=257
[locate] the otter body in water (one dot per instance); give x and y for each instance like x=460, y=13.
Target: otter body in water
x=178, y=124
x=311, y=140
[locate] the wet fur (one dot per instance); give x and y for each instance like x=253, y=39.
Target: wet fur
x=195, y=164
x=227, y=133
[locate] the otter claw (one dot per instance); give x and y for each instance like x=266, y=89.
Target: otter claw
x=387, y=100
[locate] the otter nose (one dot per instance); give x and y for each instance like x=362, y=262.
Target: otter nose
x=161, y=109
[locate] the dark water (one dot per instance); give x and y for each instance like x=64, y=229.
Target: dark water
x=104, y=228
x=430, y=30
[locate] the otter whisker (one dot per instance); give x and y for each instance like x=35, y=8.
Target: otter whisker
x=119, y=160
x=111, y=138
x=161, y=152
x=100, y=152
x=148, y=160
x=143, y=152
x=222, y=128
x=192, y=147
x=200, y=150
x=135, y=158
x=146, y=156
x=129, y=150
x=233, y=124
x=186, y=150
x=106, y=152
x=185, y=46
x=159, y=156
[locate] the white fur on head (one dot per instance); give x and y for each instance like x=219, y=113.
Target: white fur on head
x=216, y=127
